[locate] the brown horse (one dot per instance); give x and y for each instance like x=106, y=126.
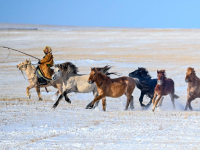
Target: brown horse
x=163, y=87
x=111, y=88
x=193, y=90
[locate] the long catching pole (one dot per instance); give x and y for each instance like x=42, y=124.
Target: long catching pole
x=19, y=52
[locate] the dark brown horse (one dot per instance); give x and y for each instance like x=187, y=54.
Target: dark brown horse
x=193, y=90
x=111, y=88
x=164, y=87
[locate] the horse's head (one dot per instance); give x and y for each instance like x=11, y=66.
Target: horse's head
x=56, y=73
x=93, y=76
x=161, y=76
x=140, y=72
x=190, y=74
x=23, y=65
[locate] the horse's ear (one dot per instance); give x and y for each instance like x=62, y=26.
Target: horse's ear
x=26, y=61
x=157, y=71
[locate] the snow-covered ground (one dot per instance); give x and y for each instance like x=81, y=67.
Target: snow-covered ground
x=33, y=124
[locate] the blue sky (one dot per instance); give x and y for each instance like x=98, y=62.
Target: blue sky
x=103, y=13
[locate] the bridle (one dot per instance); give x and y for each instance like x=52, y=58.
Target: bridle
x=25, y=66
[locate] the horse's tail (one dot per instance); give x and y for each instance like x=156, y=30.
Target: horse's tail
x=176, y=96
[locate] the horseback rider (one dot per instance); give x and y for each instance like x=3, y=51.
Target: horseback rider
x=45, y=64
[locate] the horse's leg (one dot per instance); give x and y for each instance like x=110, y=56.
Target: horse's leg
x=95, y=93
x=154, y=98
x=128, y=100
x=131, y=103
x=160, y=102
x=103, y=103
x=188, y=103
x=66, y=97
x=151, y=98
x=141, y=99
x=59, y=87
x=38, y=92
x=57, y=102
x=156, y=102
x=59, y=99
x=46, y=90
x=57, y=93
x=91, y=104
x=27, y=90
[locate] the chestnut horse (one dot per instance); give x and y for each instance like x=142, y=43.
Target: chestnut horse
x=111, y=88
x=193, y=90
x=163, y=87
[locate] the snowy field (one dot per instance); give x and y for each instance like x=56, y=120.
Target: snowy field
x=33, y=124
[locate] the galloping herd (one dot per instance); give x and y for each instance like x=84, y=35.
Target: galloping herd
x=66, y=79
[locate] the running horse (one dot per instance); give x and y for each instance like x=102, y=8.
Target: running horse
x=33, y=79
x=163, y=87
x=193, y=90
x=74, y=82
x=145, y=83
x=111, y=88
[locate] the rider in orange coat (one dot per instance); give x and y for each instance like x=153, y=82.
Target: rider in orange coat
x=46, y=63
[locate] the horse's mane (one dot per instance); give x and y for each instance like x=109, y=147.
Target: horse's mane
x=145, y=72
x=68, y=66
x=105, y=70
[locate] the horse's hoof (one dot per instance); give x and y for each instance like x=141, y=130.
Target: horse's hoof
x=40, y=99
x=89, y=107
x=54, y=106
x=29, y=96
x=142, y=105
x=68, y=100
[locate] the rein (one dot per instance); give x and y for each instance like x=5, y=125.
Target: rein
x=23, y=73
x=25, y=77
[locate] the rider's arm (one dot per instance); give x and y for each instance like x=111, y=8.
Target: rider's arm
x=47, y=58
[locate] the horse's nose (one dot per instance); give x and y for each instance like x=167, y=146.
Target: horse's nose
x=130, y=75
x=17, y=66
x=54, y=77
x=90, y=82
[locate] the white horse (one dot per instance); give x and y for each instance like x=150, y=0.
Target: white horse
x=73, y=82
x=33, y=79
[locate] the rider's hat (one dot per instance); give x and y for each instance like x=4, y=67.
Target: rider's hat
x=47, y=47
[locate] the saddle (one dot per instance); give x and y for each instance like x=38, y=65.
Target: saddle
x=41, y=79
